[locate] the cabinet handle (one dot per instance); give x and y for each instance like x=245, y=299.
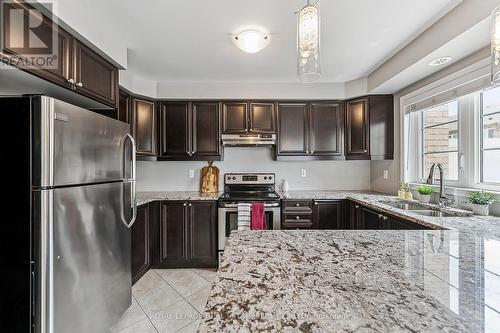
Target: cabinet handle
x=71, y=81
x=79, y=84
x=298, y=205
x=297, y=218
x=356, y=206
x=365, y=151
x=384, y=218
x=312, y=151
x=315, y=203
x=190, y=205
x=184, y=204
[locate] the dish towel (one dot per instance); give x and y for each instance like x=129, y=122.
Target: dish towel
x=258, y=216
x=244, y=216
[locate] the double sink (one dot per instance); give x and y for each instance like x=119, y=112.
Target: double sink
x=417, y=209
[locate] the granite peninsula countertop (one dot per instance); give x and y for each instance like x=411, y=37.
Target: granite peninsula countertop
x=356, y=281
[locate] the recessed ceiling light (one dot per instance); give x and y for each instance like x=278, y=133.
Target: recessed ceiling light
x=251, y=41
x=440, y=61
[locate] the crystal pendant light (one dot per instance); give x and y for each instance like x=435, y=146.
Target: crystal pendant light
x=308, y=35
x=495, y=46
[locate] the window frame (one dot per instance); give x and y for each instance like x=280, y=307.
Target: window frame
x=421, y=147
x=481, y=149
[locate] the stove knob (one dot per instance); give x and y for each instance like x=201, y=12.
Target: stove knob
x=265, y=178
x=234, y=178
x=270, y=177
x=228, y=178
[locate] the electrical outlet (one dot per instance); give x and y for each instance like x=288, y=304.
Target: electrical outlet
x=303, y=173
x=191, y=173
x=386, y=174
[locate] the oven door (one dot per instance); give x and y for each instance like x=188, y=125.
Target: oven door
x=228, y=220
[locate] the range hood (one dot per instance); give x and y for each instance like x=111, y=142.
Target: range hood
x=248, y=140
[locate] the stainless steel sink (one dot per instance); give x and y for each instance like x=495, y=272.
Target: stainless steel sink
x=432, y=213
x=403, y=205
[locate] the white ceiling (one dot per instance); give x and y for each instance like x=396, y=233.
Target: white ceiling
x=189, y=40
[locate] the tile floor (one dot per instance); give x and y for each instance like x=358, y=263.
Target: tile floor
x=167, y=301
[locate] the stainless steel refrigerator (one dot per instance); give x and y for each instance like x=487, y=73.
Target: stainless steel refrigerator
x=82, y=205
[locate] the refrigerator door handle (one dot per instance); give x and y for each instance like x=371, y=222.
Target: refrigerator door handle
x=131, y=180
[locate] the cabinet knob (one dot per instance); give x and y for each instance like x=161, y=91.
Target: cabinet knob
x=357, y=207
x=380, y=216
x=298, y=205
x=79, y=84
x=312, y=151
x=298, y=217
x=365, y=151
x=384, y=218
x=190, y=205
x=71, y=81
x=315, y=203
x=184, y=204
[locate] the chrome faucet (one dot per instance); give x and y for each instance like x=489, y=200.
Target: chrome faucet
x=444, y=200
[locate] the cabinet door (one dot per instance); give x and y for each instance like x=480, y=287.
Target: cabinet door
x=175, y=130
x=328, y=214
x=202, y=233
x=94, y=76
x=326, y=126
x=140, y=243
x=292, y=129
x=262, y=118
x=370, y=220
x=381, y=109
x=57, y=70
x=124, y=107
x=206, y=130
x=144, y=126
x=234, y=118
x=357, y=130
x=173, y=234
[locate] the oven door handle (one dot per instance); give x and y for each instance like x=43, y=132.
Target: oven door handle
x=231, y=205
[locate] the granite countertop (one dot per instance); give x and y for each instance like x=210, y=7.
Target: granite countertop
x=356, y=280
x=485, y=225
x=149, y=196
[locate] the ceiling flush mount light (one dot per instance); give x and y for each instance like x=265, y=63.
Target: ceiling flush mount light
x=495, y=46
x=251, y=41
x=440, y=61
x=308, y=37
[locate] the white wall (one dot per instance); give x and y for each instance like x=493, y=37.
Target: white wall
x=137, y=85
x=321, y=175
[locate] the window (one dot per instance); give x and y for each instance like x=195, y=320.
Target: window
x=440, y=139
x=490, y=136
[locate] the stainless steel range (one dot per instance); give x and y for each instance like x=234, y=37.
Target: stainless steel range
x=248, y=188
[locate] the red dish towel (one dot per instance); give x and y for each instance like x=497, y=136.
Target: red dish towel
x=258, y=216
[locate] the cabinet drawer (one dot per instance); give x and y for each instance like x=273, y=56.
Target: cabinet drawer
x=292, y=225
x=297, y=217
x=294, y=205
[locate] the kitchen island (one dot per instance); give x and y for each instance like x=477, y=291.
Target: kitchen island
x=356, y=280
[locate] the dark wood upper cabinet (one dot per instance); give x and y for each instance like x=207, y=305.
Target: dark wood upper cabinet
x=60, y=69
x=144, y=126
x=357, y=129
x=206, y=140
x=173, y=234
x=76, y=67
x=262, y=118
x=381, y=127
x=175, y=123
x=124, y=107
x=202, y=233
x=190, y=131
x=326, y=129
x=370, y=128
x=94, y=76
x=234, y=117
x=328, y=214
x=293, y=130
x=140, y=243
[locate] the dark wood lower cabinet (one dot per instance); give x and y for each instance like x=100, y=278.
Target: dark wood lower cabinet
x=188, y=234
x=140, y=243
x=328, y=214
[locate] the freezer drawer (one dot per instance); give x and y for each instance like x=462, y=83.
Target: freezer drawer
x=84, y=278
x=72, y=145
